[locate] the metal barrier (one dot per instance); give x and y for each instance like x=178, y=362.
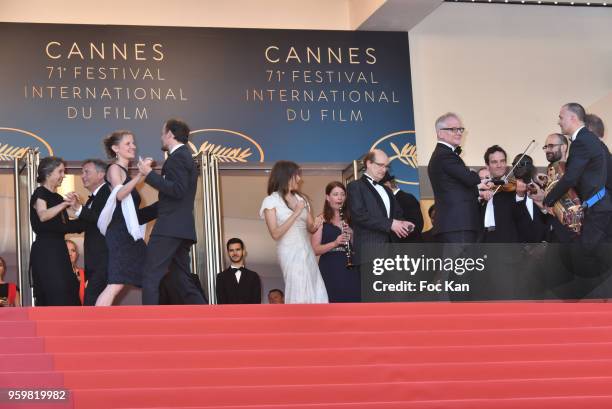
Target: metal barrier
x=25, y=170
x=207, y=253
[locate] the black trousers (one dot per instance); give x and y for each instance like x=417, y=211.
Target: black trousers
x=97, y=278
x=462, y=236
x=169, y=255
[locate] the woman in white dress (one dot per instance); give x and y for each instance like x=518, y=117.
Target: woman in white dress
x=289, y=221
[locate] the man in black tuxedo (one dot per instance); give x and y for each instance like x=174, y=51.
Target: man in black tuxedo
x=455, y=187
x=238, y=284
x=498, y=212
x=174, y=232
x=586, y=171
x=375, y=214
x=96, y=252
x=410, y=206
x=531, y=224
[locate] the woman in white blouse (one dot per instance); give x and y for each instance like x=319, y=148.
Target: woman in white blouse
x=290, y=223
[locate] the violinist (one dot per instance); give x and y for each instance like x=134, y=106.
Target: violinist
x=497, y=212
x=586, y=171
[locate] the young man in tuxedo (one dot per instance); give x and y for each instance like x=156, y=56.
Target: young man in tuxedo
x=586, y=171
x=174, y=232
x=96, y=252
x=455, y=187
x=238, y=284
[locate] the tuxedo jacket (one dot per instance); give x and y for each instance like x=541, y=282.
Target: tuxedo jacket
x=504, y=204
x=177, y=188
x=246, y=291
x=585, y=170
x=530, y=230
x=369, y=219
x=608, y=165
x=455, y=189
x=411, y=210
x=94, y=246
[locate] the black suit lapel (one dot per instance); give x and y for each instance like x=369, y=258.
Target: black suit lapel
x=379, y=200
x=169, y=158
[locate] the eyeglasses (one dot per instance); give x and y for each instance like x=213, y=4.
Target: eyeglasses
x=454, y=130
x=382, y=165
x=551, y=146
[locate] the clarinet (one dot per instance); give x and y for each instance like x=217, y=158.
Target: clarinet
x=347, y=245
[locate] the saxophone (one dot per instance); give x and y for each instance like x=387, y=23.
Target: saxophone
x=347, y=245
x=568, y=210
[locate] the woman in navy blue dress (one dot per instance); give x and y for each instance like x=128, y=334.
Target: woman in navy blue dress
x=126, y=256
x=329, y=242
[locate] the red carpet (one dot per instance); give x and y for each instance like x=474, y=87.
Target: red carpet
x=371, y=356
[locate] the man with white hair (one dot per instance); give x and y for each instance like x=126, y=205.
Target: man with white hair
x=455, y=186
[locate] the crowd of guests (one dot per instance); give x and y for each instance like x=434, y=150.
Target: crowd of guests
x=506, y=203
x=469, y=207
x=114, y=225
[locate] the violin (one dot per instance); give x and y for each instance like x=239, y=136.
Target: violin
x=508, y=185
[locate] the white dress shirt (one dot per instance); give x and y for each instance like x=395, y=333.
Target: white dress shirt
x=382, y=193
x=175, y=147
x=573, y=137
x=238, y=273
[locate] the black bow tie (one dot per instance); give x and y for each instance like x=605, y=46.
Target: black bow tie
x=234, y=270
x=373, y=181
x=457, y=150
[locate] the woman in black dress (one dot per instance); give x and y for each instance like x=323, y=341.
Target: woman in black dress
x=329, y=241
x=126, y=255
x=53, y=280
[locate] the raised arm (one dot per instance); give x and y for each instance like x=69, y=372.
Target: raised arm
x=277, y=231
x=46, y=214
x=176, y=183
x=116, y=177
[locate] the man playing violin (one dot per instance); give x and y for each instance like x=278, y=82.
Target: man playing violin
x=497, y=213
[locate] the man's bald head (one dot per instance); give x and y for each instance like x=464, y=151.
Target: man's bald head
x=376, y=163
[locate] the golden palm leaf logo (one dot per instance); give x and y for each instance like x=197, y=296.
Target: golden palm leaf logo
x=227, y=145
x=8, y=152
x=407, y=155
x=225, y=153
